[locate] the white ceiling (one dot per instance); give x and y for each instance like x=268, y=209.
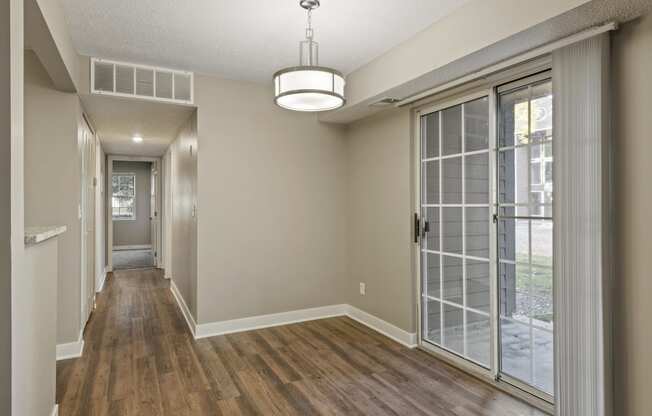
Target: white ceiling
x=246, y=40
x=117, y=120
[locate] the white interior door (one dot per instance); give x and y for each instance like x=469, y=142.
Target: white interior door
x=154, y=213
x=88, y=185
x=99, y=217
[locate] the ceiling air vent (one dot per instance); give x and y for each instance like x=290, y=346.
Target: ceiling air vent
x=140, y=81
x=384, y=102
x=124, y=79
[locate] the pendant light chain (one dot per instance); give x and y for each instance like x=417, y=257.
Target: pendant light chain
x=309, y=37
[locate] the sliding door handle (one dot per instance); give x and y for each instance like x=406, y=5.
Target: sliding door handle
x=418, y=231
x=416, y=225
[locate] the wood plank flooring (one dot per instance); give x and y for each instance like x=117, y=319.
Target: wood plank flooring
x=141, y=359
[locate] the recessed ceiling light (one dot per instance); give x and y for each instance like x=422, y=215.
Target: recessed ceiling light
x=137, y=138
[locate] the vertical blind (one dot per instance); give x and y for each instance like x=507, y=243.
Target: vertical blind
x=582, y=233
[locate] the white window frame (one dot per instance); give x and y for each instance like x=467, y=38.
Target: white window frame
x=133, y=217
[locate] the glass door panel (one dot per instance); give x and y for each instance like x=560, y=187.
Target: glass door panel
x=455, y=209
x=524, y=234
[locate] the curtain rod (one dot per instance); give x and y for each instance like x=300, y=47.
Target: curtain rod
x=526, y=56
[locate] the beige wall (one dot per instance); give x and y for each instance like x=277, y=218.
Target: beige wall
x=136, y=232
x=379, y=218
x=633, y=141
x=491, y=21
x=182, y=161
x=271, y=204
x=47, y=34
x=52, y=182
x=35, y=343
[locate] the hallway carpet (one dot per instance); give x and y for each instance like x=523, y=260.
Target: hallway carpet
x=141, y=359
x=132, y=259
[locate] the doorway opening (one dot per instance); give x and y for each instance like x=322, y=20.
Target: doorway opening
x=133, y=204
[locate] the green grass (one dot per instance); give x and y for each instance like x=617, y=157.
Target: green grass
x=541, y=273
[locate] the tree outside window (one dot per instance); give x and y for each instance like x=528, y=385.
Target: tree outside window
x=123, y=196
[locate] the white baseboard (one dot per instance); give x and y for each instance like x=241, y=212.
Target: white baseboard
x=70, y=350
x=55, y=410
x=184, y=308
x=133, y=247
x=99, y=288
x=265, y=321
x=408, y=339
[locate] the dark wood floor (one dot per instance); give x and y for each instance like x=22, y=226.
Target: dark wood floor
x=140, y=359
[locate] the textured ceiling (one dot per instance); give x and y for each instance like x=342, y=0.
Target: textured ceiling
x=118, y=119
x=246, y=40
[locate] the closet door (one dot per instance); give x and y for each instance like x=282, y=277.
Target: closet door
x=455, y=228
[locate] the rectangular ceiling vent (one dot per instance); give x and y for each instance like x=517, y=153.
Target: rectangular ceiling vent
x=141, y=81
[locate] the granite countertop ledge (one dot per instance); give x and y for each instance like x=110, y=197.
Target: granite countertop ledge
x=35, y=235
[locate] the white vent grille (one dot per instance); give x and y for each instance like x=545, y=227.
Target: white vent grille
x=140, y=81
x=124, y=79
x=145, y=82
x=164, y=84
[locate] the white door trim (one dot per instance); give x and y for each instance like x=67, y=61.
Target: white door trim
x=109, y=216
x=86, y=145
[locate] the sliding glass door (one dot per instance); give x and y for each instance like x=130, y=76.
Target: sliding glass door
x=486, y=232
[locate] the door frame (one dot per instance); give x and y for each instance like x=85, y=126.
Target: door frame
x=467, y=92
x=85, y=308
x=156, y=161
x=100, y=213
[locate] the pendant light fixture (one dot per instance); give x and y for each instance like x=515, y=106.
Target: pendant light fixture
x=309, y=87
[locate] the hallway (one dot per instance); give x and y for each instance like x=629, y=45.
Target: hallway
x=141, y=359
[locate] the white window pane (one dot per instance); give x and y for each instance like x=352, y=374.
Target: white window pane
x=452, y=230
x=452, y=279
x=476, y=125
x=476, y=232
x=512, y=179
x=478, y=287
x=431, y=182
x=430, y=135
x=452, y=180
x=542, y=243
x=514, y=118
x=432, y=321
x=543, y=356
x=515, y=349
x=478, y=337
x=454, y=328
x=476, y=178
x=451, y=130
x=432, y=266
x=535, y=173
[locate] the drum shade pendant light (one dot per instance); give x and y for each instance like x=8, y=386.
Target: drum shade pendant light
x=309, y=87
